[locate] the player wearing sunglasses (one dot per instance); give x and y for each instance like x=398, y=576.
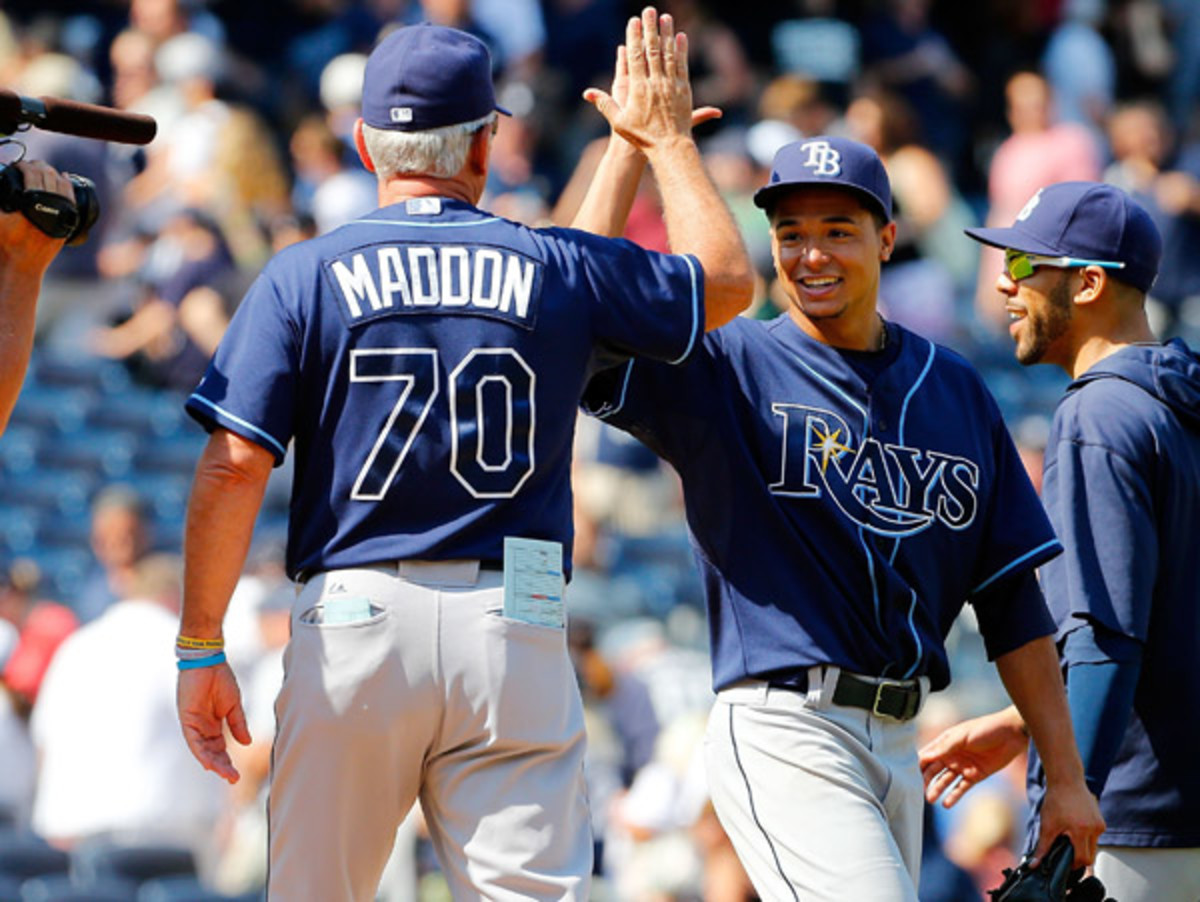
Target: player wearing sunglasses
x=1122, y=487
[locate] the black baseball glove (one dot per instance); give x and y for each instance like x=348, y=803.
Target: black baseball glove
x=1051, y=881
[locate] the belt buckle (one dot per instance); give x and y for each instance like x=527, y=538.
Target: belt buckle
x=911, y=700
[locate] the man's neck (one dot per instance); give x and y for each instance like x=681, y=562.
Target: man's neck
x=401, y=188
x=1097, y=347
x=841, y=333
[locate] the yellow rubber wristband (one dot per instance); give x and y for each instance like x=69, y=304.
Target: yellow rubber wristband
x=189, y=642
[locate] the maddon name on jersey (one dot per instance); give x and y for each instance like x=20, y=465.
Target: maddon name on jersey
x=409, y=278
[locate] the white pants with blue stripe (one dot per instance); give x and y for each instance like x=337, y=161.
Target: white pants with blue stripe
x=404, y=682
x=821, y=801
x=1134, y=874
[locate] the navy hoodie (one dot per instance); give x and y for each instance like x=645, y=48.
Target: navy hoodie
x=1122, y=487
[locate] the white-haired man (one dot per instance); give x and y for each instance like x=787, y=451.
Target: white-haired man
x=426, y=361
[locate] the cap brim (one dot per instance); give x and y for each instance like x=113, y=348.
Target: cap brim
x=765, y=196
x=1014, y=238
x=502, y=111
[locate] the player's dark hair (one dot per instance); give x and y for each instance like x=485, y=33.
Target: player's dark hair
x=876, y=213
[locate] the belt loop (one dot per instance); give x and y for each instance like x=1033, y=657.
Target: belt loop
x=822, y=680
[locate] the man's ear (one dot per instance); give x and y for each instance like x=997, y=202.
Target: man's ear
x=1093, y=280
x=481, y=148
x=361, y=146
x=887, y=241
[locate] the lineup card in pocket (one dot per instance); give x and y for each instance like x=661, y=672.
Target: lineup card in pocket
x=533, y=581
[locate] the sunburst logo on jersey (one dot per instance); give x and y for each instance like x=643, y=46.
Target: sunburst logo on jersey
x=827, y=443
x=887, y=487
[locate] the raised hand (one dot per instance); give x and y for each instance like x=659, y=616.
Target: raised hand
x=620, y=84
x=651, y=101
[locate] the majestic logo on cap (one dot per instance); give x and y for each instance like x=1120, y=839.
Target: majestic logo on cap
x=822, y=158
x=1030, y=206
x=401, y=114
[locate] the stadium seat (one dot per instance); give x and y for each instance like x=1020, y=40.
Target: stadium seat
x=19, y=526
x=103, y=452
x=92, y=862
x=63, y=570
x=71, y=531
x=63, y=888
x=96, y=373
x=166, y=496
x=19, y=450
x=23, y=855
x=50, y=490
x=10, y=889
x=52, y=410
x=170, y=454
x=184, y=888
x=141, y=411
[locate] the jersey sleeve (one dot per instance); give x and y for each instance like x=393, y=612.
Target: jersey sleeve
x=642, y=302
x=663, y=405
x=1109, y=575
x=250, y=385
x=1012, y=611
x=1017, y=533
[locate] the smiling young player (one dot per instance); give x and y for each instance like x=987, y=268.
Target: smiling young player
x=849, y=485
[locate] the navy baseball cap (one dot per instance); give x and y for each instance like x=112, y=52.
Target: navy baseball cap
x=1088, y=221
x=427, y=76
x=829, y=160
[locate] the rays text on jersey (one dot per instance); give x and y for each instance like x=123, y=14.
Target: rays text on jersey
x=890, y=489
x=409, y=278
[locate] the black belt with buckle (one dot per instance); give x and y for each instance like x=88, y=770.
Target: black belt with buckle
x=894, y=699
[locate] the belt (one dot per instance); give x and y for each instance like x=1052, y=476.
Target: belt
x=894, y=699
x=465, y=570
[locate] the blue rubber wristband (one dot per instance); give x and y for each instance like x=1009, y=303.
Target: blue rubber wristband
x=195, y=663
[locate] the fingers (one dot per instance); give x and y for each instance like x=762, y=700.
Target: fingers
x=651, y=41
x=209, y=750
x=634, y=48
x=41, y=176
x=1044, y=842
x=236, y=719
x=681, y=56
x=938, y=783
x=1085, y=851
x=666, y=35
x=948, y=782
x=603, y=102
x=957, y=791
x=706, y=114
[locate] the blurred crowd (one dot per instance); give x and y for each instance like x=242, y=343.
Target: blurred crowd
x=971, y=106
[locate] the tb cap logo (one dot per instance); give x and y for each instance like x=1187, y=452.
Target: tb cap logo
x=1030, y=206
x=822, y=158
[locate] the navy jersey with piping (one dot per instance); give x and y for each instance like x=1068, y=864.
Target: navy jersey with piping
x=1122, y=486
x=426, y=362
x=838, y=519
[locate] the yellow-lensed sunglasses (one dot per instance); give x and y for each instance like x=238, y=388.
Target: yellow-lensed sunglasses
x=1020, y=265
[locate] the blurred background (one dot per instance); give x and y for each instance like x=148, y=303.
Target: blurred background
x=972, y=107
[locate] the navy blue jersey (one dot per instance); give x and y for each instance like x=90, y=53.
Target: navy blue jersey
x=841, y=513
x=1122, y=485
x=427, y=362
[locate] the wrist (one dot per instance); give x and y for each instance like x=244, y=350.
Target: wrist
x=623, y=149
x=1060, y=772
x=670, y=150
